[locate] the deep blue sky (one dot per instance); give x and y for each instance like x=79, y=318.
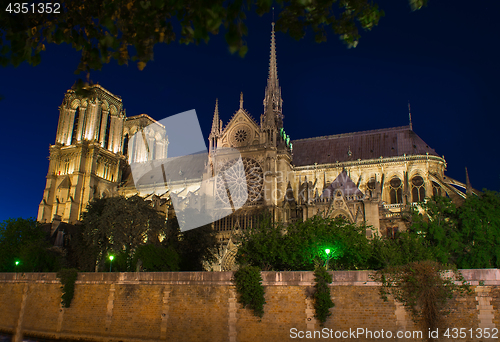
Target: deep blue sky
x=443, y=58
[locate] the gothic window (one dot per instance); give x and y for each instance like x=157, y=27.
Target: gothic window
x=396, y=190
x=125, y=145
x=242, y=181
x=371, y=186
x=106, y=135
x=241, y=135
x=75, y=126
x=106, y=171
x=66, y=167
x=418, y=189
x=436, y=189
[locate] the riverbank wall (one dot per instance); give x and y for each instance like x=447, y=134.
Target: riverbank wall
x=202, y=306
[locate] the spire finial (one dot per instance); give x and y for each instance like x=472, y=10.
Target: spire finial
x=273, y=17
x=468, y=187
x=409, y=115
x=272, y=100
x=215, y=123
x=241, y=100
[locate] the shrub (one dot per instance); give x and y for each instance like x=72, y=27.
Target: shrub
x=322, y=300
x=68, y=279
x=250, y=290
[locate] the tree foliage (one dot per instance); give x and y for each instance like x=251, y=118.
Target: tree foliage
x=125, y=30
x=195, y=247
x=322, y=297
x=249, y=288
x=467, y=236
x=119, y=225
x=139, y=238
x=24, y=241
x=479, y=219
x=301, y=246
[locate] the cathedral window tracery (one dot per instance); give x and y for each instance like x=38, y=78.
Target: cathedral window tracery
x=418, y=189
x=371, y=186
x=436, y=189
x=396, y=190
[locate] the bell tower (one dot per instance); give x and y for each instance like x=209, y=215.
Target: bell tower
x=87, y=156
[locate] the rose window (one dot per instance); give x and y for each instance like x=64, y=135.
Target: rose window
x=239, y=183
x=241, y=135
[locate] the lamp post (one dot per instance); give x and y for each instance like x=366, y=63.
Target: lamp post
x=328, y=257
x=111, y=257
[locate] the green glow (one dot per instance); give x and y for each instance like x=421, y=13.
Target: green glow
x=17, y=262
x=327, y=251
x=111, y=257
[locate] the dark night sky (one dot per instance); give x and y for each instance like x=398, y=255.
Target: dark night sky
x=443, y=58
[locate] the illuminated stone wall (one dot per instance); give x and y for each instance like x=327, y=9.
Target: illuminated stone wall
x=190, y=306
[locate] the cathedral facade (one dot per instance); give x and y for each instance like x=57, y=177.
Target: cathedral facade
x=369, y=176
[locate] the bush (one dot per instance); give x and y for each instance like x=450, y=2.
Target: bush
x=68, y=279
x=250, y=290
x=322, y=299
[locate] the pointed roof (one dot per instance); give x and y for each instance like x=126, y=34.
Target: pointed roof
x=215, y=123
x=272, y=100
x=65, y=184
x=467, y=182
x=272, y=80
x=345, y=184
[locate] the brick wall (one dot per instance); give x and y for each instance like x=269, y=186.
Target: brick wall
x=190, y=306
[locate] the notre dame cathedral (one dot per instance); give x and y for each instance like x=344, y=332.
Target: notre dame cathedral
x=368, y=176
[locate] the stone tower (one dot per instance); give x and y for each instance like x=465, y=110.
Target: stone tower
x=87, y=157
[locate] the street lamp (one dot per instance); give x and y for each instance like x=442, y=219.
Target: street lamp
x=111, y=257
x=328, y=257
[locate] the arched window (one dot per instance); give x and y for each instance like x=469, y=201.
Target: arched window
x=75, y=126
x=436, y=189
x=396, y=190
x=418, y=189
x=371, y=186
x=125, y=145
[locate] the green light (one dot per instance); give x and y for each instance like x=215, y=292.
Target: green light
x=17, y=262
x=111, y=257
x=327, y=251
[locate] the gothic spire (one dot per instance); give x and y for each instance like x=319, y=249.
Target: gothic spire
x=215, y=123
x=272, y=100
x=467, y=182
x=272, y=79
x=409, y=115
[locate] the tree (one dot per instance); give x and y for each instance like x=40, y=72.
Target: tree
x=118, y=225
x=126, y=30
x=302, y=245
x=438, y=223
x=406, y=248
x=467, y=236
x=24, y=241
x=157, y=258
x=195, y=246
x=479, y=219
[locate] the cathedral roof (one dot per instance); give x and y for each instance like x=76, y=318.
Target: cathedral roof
x=389, y=142
x=176, y=169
